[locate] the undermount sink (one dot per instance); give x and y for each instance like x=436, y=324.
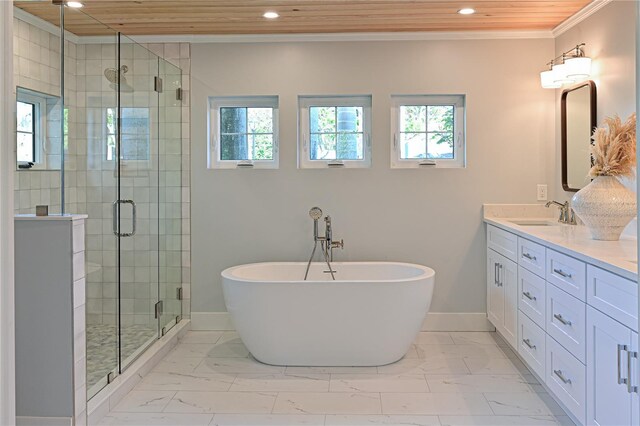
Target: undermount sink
x=534, y=222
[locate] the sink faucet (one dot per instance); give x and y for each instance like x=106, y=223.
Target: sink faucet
x=567, y=215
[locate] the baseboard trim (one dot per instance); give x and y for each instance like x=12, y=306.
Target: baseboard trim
x=43, y=421
x=435, y=321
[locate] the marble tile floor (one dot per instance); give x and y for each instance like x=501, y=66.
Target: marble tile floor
x=446, y=379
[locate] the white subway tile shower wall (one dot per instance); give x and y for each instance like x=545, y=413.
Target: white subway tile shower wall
x=90, y=181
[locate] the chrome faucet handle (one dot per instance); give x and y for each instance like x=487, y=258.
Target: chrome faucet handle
x=338, y=244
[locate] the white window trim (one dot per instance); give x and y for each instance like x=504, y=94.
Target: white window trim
x=459, y=102
x=215, y=103
x=304, y=103
x=40, y=127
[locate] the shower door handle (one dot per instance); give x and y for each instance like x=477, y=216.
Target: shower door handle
x=115, y=218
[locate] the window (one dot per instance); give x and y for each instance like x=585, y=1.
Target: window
x=428, y=131
x=135, y=135
x=334, y=131
x=243, y=132
x=31, y=126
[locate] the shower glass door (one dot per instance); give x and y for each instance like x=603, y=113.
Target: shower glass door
x=138, y=199
x=169, y=193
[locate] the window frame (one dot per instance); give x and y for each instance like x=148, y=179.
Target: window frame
x=39, y=130
x=458, y=101
x=218, y=102
x=304, y=130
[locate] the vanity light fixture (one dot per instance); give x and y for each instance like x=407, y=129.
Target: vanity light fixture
x=567, y=68
x=75, y=4
x=467, y=11
x=271, y=15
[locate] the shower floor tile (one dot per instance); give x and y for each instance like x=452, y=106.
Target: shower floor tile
x=447, y=379
x=102, y=347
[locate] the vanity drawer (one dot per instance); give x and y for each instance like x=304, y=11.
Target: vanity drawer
x=532, y=256
x=566, y=321
x=531, y=344
x=613, y=295
x=502, y=242
x=566, y=378
x=566, y=273
x=532, y=295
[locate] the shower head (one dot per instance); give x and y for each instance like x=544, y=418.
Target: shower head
x=315, y=213
x=112, y=74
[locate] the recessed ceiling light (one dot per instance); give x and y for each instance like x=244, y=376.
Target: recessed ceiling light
x=74, y=4
x=271, y=15
x=467, y=11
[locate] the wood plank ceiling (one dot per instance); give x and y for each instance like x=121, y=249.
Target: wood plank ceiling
x=166, y=17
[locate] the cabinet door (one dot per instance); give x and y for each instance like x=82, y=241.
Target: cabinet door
x=608, y=399
x=509, y=279
x=495, y=291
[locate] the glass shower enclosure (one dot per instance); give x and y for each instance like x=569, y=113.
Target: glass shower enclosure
x=118, y=107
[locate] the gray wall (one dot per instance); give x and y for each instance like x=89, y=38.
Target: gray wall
x=610, y=38
x=431, y=217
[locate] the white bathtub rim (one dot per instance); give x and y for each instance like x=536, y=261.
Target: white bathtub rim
x=427, y=272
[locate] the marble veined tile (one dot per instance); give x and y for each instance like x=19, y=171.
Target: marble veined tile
x=434, y=338
x=210, y=337
x=435, y=404
x=281, y=383
x=144, y=401
x=186, y=381
x=190, y=350
x=364, y=420
x=236, y=365
x=230, y=349
x=498, y=420
x=186, y=365
x=327, y=403
x=435, y=365
x=331, y=370
x=522, y=404
x=221, y=402
x=494, y=366
x=464, y=351
x=267, y=420
x=477, y=337
x=479, y=383
x=156, y=419
x=378, y=383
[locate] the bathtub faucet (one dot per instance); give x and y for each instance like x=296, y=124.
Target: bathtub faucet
x=326, y=243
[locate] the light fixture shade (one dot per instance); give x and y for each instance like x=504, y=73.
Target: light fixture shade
x=577, y=68
x=547, y=80
x=560, y=74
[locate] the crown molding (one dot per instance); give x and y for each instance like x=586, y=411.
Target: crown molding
x=580, y=16
x=44, y=25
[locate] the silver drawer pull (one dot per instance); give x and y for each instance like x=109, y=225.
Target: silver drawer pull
x=561, y=376
x=528, y=256
x=562, y=273
x=621, y=380
x=562, y=320
x=631, y=388
x=529, y=296
x=528, y=343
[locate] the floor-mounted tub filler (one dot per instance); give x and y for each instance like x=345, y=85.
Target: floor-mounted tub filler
x=369, y=315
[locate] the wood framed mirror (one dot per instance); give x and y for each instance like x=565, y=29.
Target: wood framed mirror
x=578, y=120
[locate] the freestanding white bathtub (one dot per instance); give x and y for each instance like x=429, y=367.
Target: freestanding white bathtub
x=369, y=316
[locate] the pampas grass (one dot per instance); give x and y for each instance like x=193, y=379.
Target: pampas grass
x=614, y=149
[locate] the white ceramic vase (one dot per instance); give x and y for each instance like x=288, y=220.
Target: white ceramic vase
x=606, y=207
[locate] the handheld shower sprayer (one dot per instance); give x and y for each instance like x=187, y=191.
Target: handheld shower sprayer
x=316, y=214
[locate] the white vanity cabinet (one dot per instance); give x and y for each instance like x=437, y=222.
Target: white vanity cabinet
x=502, y=294
x=576, y=323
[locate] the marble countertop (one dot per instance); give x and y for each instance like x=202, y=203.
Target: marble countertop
x=619, y=257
